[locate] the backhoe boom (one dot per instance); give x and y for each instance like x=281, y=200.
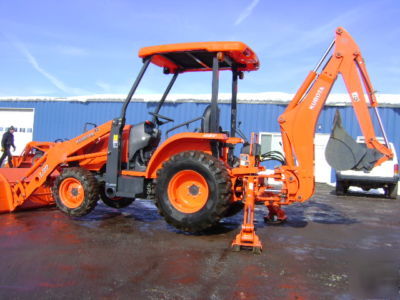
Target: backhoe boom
x=299, y=120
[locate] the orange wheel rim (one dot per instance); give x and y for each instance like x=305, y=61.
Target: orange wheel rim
x=71, y=192
x=188, y=191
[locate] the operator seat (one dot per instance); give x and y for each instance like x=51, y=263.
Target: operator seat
x=143, y=139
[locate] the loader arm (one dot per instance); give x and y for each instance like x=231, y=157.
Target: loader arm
x=298, y=122
x=30, y=179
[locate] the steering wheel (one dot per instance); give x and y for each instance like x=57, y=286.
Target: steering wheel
x=158, y=116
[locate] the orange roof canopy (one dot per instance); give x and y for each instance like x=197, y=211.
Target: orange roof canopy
x=189, y=57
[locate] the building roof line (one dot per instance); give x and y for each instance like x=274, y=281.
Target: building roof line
x=392, y=100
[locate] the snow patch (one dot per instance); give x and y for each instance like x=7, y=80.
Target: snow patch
x=254, y=98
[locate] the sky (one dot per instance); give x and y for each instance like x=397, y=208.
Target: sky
x=84, y=47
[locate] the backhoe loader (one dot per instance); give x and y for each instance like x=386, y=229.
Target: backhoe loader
x=195, y=178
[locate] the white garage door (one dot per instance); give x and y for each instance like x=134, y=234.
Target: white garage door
x=272, y=141
x=322, y=168
x=22, y=119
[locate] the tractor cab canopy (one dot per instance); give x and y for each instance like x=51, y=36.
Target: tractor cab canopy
x=189, y=57
x=175, y=59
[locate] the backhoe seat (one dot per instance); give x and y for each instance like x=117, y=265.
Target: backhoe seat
x=206, y=121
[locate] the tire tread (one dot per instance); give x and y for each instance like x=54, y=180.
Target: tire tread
x=90, y=186
x=222, y=182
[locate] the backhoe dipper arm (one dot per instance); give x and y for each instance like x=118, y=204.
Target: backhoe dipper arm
x=299, y=119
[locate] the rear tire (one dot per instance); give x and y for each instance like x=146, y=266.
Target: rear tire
x=193, y=191
x=233, y=209
x=76, y=192
x=391, y=191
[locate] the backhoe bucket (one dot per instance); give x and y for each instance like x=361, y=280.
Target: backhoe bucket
x=343, y=153
x=9, y=177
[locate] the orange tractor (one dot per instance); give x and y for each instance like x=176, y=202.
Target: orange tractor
x=195, y=178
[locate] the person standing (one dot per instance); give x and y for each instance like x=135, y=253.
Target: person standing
x=6, y=143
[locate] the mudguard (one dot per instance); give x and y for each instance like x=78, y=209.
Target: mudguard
x=179, y=143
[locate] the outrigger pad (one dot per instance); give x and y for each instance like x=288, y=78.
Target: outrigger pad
x=343, y=153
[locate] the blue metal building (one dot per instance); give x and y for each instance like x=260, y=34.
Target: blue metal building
x=66, y=119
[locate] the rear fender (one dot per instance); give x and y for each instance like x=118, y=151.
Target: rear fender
x=179, y=143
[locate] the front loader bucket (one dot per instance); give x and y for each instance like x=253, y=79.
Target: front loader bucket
x=9, y=177
x=343, y=153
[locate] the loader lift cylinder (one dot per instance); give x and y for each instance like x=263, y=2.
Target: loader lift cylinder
x=378, y=116
x=310, y=79
x=324, y=56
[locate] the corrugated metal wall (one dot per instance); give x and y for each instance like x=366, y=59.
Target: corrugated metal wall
x=66, y=119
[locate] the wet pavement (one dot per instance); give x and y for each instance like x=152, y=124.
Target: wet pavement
x=331, y=248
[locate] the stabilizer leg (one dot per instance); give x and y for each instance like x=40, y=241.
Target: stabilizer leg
x=276, y=214
x=247, y=238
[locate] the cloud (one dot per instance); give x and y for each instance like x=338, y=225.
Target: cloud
x=247, y=12
x=34, y=63
x=32, y=60
x=103, y=85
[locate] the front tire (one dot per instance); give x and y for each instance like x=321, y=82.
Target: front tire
x=193, y=191
x=76, y=192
